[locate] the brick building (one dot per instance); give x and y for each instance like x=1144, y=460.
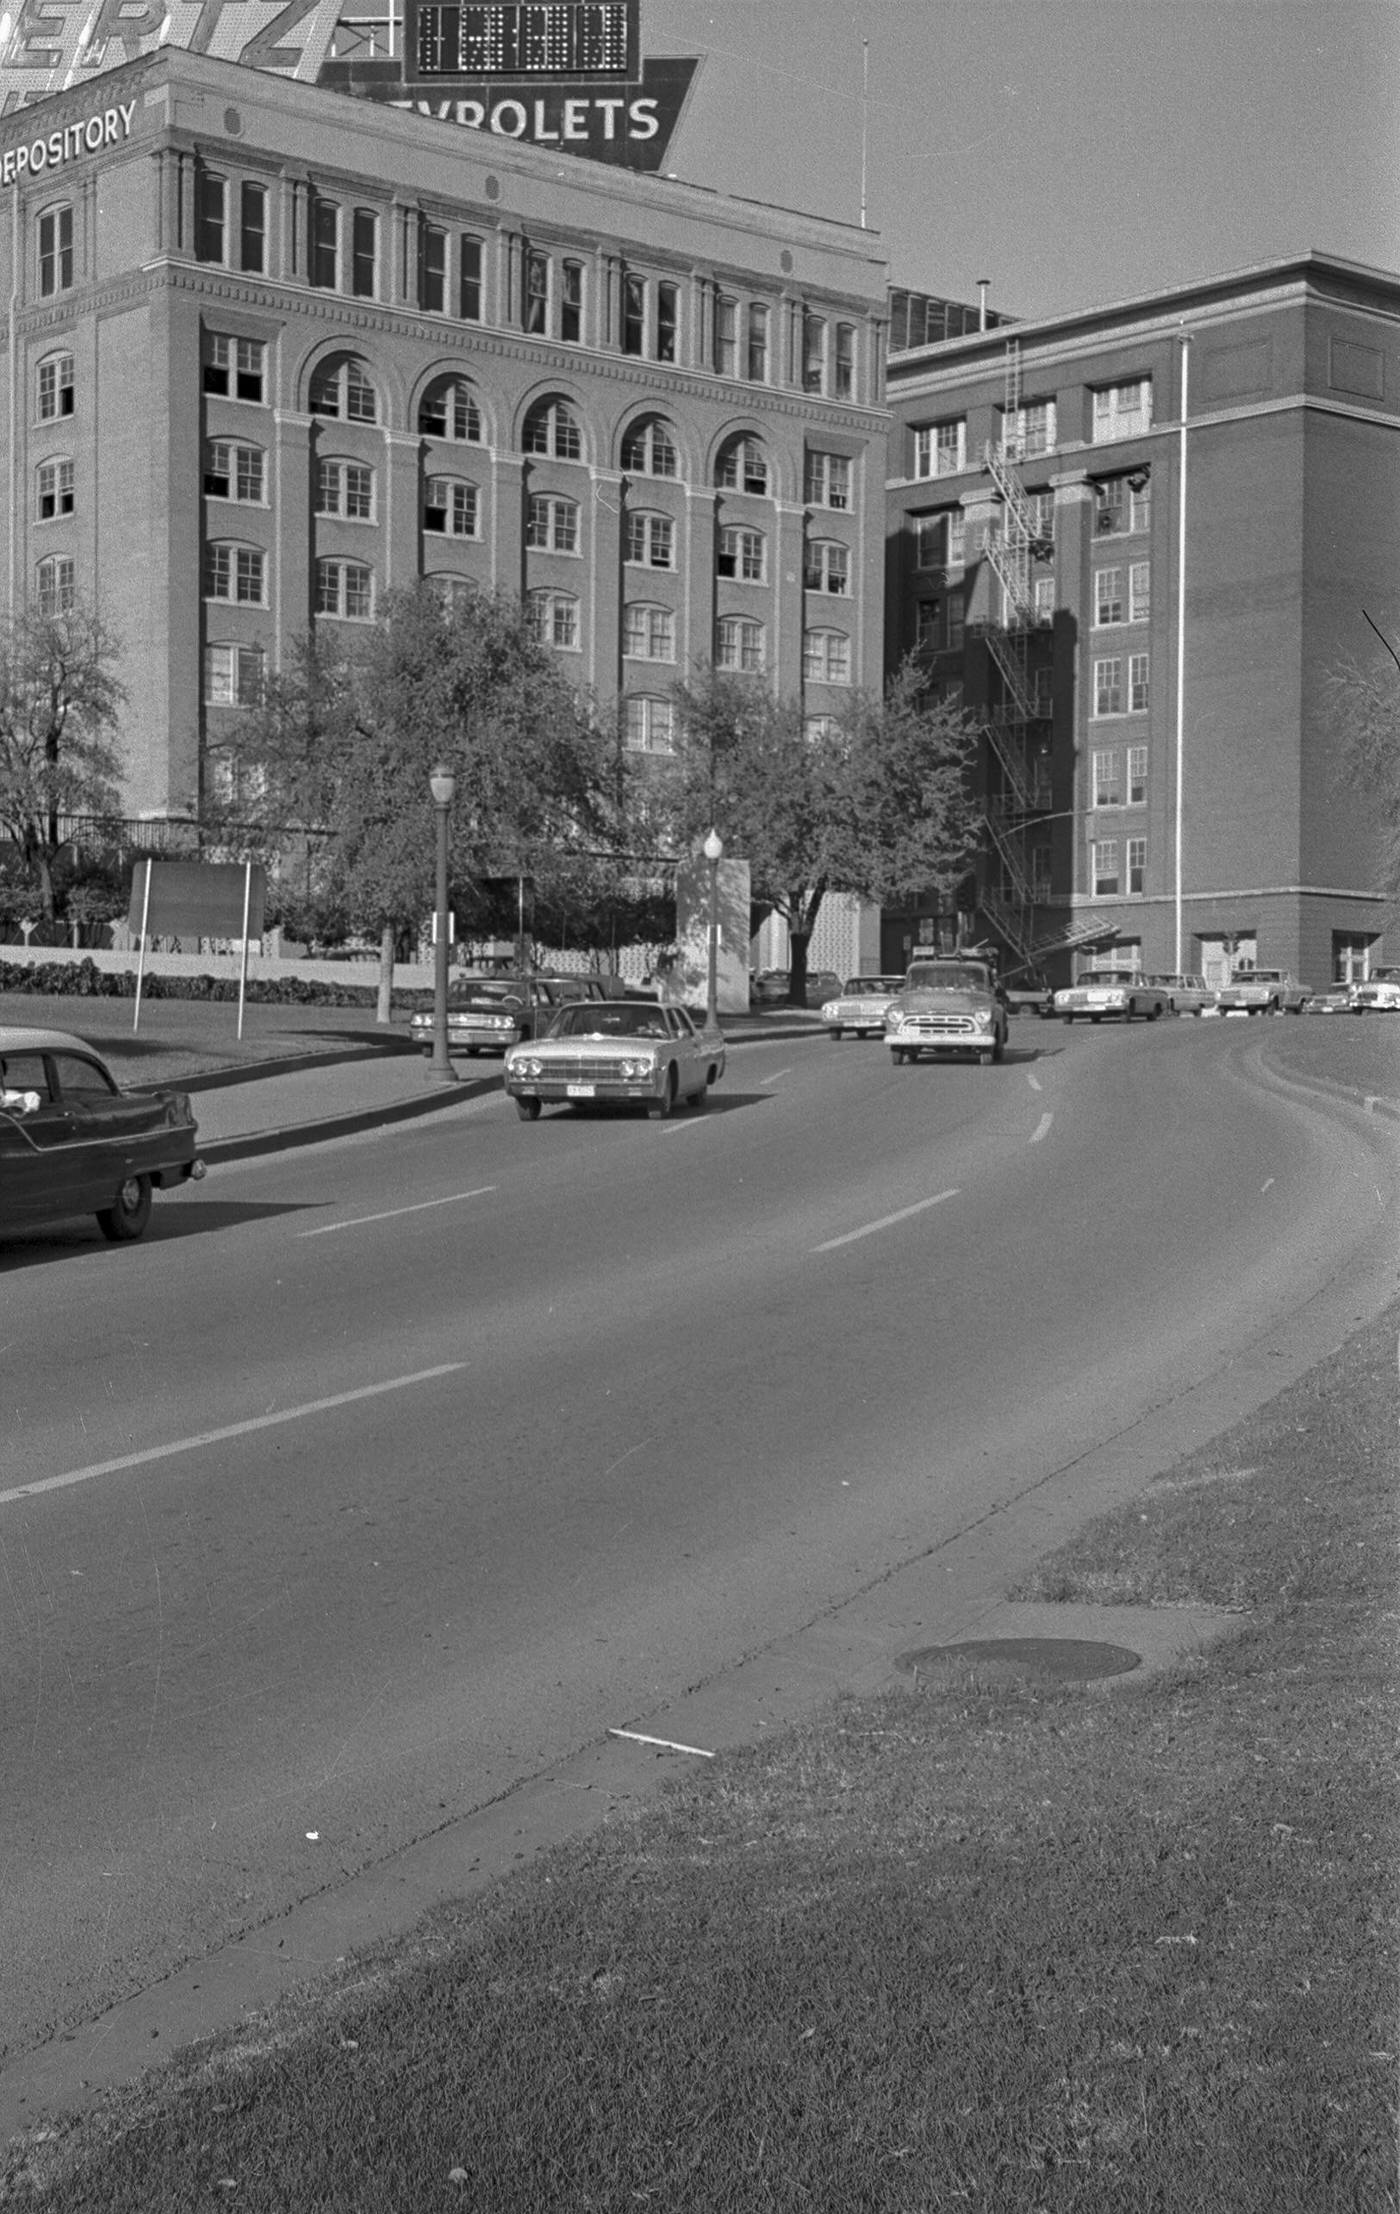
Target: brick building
x=273, y=351
x=1160, y=772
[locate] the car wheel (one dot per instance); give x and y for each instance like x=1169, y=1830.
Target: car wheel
x=1153, y=1011
x=898, y=1056
x=999, y=1050
x=699, y=1097
x=1067, y=1018
x=665, y=1106
x=126, y=1219
x=1099, y=1018
x=984, y=1057
x=528, y=1110
x=833, y=1033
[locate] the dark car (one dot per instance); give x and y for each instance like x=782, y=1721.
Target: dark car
x=488, y=1014
x=1028, y=993
x=73, y=1143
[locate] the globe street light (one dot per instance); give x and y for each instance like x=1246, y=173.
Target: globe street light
x=712, y=849
x=443, y=785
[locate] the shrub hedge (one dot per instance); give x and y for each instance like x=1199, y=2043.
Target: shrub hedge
x=85, y=980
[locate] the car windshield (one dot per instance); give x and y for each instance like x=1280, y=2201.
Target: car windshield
x=1111, y=976
x=601, y=1019
x=489, y=991
x=958, y=976
x=873, y=984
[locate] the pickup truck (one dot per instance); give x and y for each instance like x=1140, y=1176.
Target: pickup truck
x=947, y=1004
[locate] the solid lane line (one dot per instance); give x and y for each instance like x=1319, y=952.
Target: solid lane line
x=886, y=1221
x=230, y=1430
x=391, y=1214
x=1042, y=1128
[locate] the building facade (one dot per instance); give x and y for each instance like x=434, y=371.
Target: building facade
x=273, y=352
x=1134, y=543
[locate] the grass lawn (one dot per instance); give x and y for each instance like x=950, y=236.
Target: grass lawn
x=983, y=1942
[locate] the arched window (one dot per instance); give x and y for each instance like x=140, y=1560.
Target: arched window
x=552, y=428
x=742, y=467
x=650, y=540
x=345, y=589
x=649, y=724
x=739, y=644
x=234, y=471
x=451, y=508
x=344, y=488
x=343, y=387
x=55, y=489
x=234, y=675
x=826, y=657
x=827, y=567
x=55, y=387
x=553, y=618
x=54, y=585
x=235, y=573
x=455, y=593
x=741, y=554
x=551, y=524
x=649, y=449
x=449, y=409
x=648, y=633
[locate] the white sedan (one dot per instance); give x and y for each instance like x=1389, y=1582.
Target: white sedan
x=861, y=1006
x=1118, y=992
x=622, y=1052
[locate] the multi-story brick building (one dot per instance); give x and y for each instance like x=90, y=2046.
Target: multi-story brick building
x=1136, y=541
x=273, y=351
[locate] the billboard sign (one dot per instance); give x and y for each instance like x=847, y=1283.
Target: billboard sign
x=565, y=74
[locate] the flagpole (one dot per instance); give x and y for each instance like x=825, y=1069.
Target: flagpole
x=864, y=123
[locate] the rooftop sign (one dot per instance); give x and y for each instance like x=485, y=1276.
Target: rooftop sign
x=562, y=73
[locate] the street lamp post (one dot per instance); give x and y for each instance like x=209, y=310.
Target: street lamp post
x=443, y=785
x=713, y=849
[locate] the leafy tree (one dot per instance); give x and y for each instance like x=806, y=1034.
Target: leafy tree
x=1365, y=708
x=60, y=703
x=347, y=737
x=876, y=801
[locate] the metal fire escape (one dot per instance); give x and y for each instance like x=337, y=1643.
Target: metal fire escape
x=1017, y=723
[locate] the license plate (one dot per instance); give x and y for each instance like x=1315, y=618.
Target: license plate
x=578, y=1091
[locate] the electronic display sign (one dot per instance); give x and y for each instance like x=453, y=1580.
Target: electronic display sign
x=540, y=38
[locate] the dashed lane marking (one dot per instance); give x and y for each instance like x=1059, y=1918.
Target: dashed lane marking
x=230, y=1430
x=1042, y=1128
x=390, y=1214
x=886, y=1222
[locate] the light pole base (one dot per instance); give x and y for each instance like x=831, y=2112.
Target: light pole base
x=445, y=1074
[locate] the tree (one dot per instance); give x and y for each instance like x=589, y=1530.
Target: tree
x=346, y=739
x=1365, y=706
x=60, y=702
x=875, y=801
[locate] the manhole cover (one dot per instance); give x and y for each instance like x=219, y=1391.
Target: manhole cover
x=1075, y=1658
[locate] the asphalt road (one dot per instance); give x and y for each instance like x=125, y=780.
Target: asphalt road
x=387, y=1473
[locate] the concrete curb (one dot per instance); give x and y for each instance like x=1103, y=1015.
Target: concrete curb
x=1370, y=1103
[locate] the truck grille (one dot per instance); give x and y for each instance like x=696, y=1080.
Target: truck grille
x=939, y=1026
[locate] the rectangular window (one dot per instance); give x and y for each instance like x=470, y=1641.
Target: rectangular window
x=828, y=480
x=1029, y=430
x=1108, y=597
x=536, y=303
x=1104, y=867
x=1043, y=594
x=208, y=216
x=667, y=321
x=1137, y=683
x=651, y=541
x=364, y=253
x=726, y=336
x=432, y=268
x=1139, y=591
x=1137, y=775
x=55, y=387
x=940, y=449
x=940, y=541
x=1108, y=785
x=634, y=314
x=233, y=676
x=252, y=229
x=756, y=357
x=1108, y=687
x=571, y=303
x=325, y=243
x=234, y=367
x=469, y=280
x=1123, y=505
x=1122, y=410
x=813, y=353
x=55, y=251
x=1137, y=864
x=844, y=362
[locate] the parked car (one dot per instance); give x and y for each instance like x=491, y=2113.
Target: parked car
x=1186, y=995
x=486, y=1014
x=860, y=1005
x=1028, y=993
x=621, y=1052
x=1117, y=992
x=1377, y=995
x=1261, y=992
x=769, y=988
x=72, y=1142
x=822, y=984
x=945, y=1005
x=1336, y=1000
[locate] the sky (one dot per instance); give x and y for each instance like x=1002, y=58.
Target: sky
x=1074, y=152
